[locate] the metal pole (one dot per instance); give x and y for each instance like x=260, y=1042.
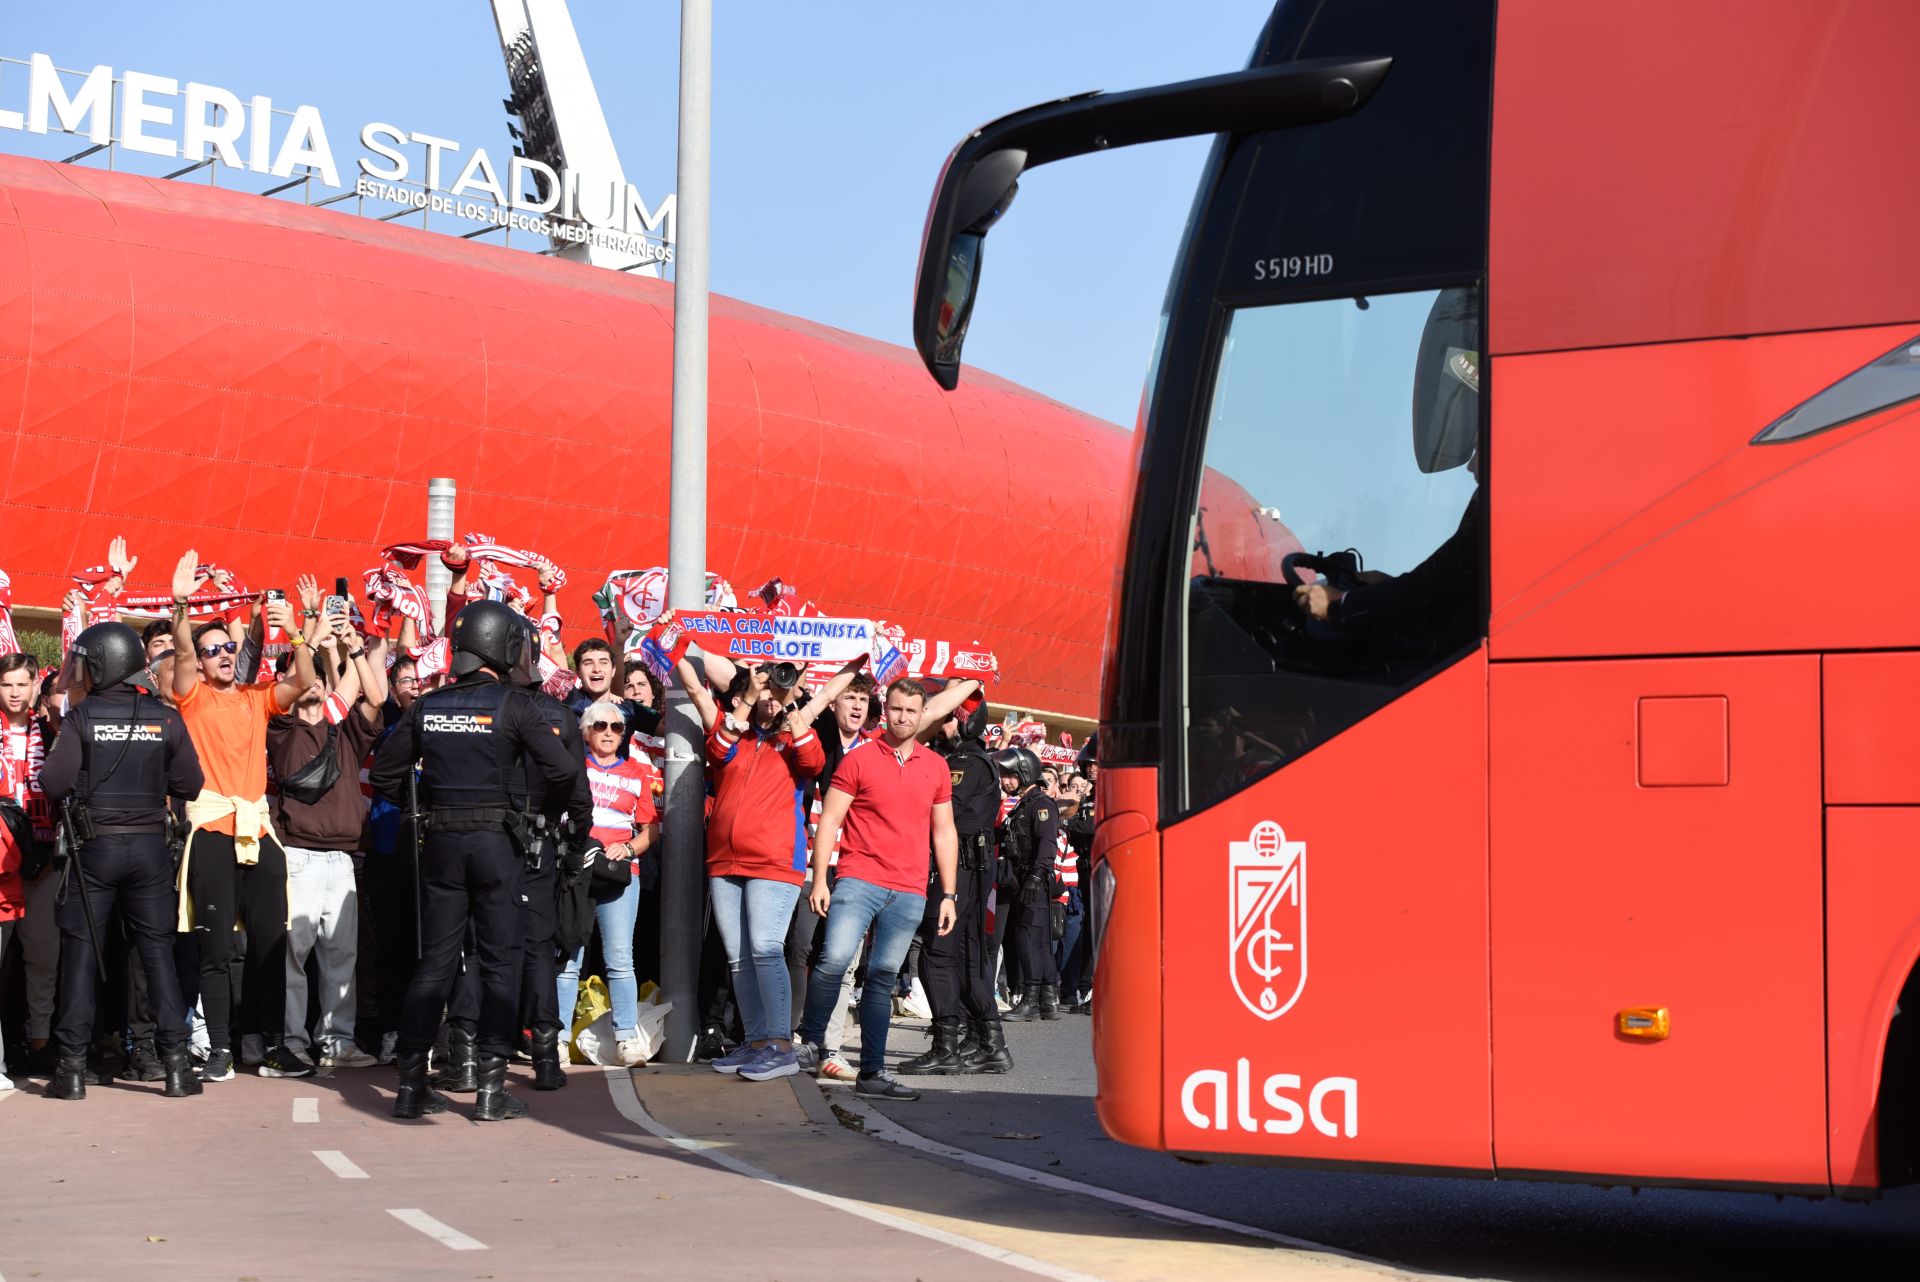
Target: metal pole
x=440, y=493
x=682, y=871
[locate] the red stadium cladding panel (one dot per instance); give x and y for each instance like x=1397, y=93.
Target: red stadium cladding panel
x=1673, y=171
x=273, y=385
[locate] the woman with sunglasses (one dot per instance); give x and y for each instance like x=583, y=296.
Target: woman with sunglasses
x=623, y=824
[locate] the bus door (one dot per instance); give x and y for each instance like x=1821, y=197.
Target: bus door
x=1325, y=899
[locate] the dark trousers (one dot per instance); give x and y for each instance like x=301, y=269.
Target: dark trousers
x=1070, y=950
x=955, y=968
x=803, y=949
x=391, y=898
x=224, y=892
x=467, y=877
x=134, y=873
x=539, y=1004
x=1030, y=941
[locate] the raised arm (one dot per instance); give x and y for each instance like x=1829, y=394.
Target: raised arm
x=186, y=661
x=280, y=614
x=703, y=702
x=833, y=689
x=941, y=704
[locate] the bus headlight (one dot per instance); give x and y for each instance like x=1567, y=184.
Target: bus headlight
x=1100, y=904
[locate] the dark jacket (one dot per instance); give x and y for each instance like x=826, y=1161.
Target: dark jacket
x=338, y=820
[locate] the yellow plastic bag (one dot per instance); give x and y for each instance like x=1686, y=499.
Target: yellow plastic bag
x=591, y=1007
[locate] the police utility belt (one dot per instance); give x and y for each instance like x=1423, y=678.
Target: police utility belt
x=526, y=830
x=976, y=851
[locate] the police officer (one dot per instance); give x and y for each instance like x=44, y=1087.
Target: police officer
x=1028, y=839
x=541, y=886
x=120, y=755
x=476, y=741
x=957, y=967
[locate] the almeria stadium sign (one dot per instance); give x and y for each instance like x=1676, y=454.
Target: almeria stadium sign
x=160, y=116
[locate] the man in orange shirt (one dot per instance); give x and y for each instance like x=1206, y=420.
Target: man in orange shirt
x=234, y=868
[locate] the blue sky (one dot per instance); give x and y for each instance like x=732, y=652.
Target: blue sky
x=830, y=123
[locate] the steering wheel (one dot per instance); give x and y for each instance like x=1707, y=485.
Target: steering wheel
x=1341, y=569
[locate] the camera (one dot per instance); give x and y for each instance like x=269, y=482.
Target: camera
x=782, y=676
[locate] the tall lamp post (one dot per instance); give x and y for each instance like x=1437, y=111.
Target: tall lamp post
x=683, y=870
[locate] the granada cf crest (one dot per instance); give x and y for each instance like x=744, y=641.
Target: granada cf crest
x=1268, y=909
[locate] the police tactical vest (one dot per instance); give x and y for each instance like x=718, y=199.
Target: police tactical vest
x=564, y=723
x=976, y=788
x=123, y=755
x=467, y=759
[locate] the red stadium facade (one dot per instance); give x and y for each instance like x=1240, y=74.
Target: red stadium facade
x=274, y=384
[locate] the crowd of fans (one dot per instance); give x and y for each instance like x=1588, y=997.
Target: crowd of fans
x=297, y=890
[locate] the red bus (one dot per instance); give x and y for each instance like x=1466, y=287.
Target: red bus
x=1530, y=786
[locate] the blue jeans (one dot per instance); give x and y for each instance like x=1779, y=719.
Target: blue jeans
x=755, y=911
x=614, y=920
x=894, y=917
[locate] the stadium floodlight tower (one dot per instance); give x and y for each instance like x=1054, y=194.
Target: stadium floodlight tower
x=561, y=123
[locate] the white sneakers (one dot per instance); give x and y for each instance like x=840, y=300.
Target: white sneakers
x=631, y=1051
x=834, y=1068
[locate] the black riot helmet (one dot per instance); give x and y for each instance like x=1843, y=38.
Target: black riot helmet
x=110, y=652
x=972, y=716
x=487, y=634
x=1089, y=753
x=1022, y=763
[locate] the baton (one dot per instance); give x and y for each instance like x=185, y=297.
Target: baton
x=413, y=826
x=86, y=901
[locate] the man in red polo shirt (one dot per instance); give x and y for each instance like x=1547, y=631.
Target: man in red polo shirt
x=883, y=806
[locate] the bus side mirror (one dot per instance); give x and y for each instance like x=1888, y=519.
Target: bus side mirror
x=983, y=172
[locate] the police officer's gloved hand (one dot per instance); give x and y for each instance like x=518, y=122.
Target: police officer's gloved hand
x=580, y=856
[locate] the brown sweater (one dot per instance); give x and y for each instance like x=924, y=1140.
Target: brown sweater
x=336, y=821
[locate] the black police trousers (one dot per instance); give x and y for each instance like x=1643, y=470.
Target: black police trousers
x=1030, y=941
x=956, y=969
x=133, y=872
x=389, y=894
x=539, y=1005
x=467, y=877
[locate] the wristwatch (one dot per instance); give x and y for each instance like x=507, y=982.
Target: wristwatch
x=357, y=654
x=950, y=894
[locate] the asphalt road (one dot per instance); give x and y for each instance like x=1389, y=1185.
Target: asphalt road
x=1495, y=1229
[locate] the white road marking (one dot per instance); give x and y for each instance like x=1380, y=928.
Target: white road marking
x=337, y=1162
x=627, y=1101
x=452, y=1239
x=885, y=1128
x=306, y=1108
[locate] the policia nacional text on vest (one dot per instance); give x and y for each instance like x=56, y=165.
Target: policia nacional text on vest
x=476, y=741
x=120, y=755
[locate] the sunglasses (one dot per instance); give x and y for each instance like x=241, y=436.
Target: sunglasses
x=226, y=647
x=599, y=726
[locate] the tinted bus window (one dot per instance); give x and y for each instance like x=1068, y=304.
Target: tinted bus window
x=1335, y=554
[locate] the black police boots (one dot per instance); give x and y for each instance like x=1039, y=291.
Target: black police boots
x=144, y=1065
x=1049, y=1001
x=991, y=1055
x=458, y=1072
x=1028, y=1008
x=944, y=1055
x=69, y=1080
x=416, y=1097
x=176, y=1066
x=548, y=1075
x=493, y=1104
